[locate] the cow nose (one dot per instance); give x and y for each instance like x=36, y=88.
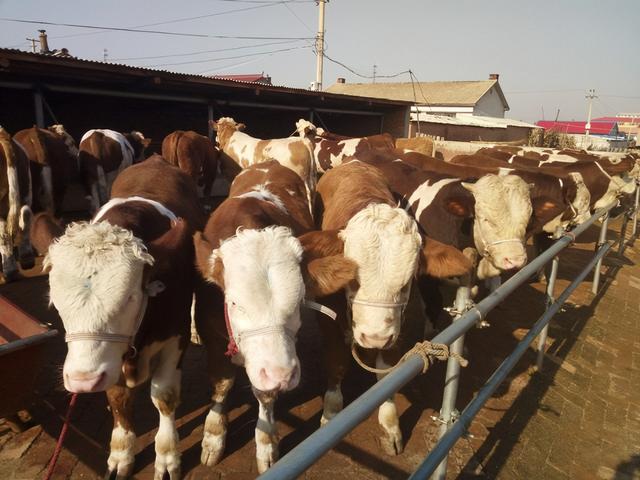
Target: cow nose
x=514, y=261
x=83, y=382
x=279, y=378
x=375, y=341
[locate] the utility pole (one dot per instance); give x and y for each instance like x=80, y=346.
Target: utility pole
x=320, y=45
x=33, y=43
x=374, y=72
x=591, y=94
x=105, y=55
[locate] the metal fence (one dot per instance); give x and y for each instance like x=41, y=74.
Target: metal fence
x=454, y=425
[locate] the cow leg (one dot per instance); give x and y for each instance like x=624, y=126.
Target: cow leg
x=266, y=431
x=222, y=374
x=9, y=264
x=47, y=202
x=25, y=250
x=392, y=442
x=123, y=438
x=336, y=355
x=165, y=394
x=102, y=186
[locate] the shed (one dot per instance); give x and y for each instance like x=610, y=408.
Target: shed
x=83, y=94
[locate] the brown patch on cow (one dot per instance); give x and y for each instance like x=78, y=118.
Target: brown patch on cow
x=212, y=273
x=457, y=206
x=440, y=260
x=121, y=402
x=301, y=156
x=324, y=243
x=168, y=401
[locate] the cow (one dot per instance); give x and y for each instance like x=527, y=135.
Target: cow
x=53, y=159
x=123, y=285
x=490, y=214
x=103, y=155
x=262, y=272
x=194, y=154
x=295, y=153
x=331, y=152
x=355, y=201
x=422, y=145
x=15, y=208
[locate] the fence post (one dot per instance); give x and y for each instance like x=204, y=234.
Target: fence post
x=635, y=212
x=448, y=412
x=601, y=241
x=549, y=299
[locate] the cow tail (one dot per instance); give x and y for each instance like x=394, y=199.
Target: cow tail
x=38, y=141
x=13, y=184
x=176, y=158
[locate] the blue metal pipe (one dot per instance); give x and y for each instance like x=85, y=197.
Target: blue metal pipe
x=321, y=441
x=458, y=429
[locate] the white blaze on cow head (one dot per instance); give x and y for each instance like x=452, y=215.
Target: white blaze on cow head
x=502, y=212
x=259, y=271
x=96, y=280
x=384, y=242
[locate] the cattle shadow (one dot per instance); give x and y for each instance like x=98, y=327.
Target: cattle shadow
x=565, y=328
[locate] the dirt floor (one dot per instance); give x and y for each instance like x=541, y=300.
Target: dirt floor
x=578, y=419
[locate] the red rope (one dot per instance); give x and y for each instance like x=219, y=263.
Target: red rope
x=63, y=433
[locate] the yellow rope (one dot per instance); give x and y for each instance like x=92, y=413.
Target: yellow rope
x=426, y=350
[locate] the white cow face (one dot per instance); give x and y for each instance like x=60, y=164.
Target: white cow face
x=502, y=212
x=264, y=289
x=385, y=244
x=96, y=281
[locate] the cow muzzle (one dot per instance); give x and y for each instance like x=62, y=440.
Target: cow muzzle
x=84, y=382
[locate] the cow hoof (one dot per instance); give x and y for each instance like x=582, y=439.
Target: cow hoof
x=169, y=463
x=113, y=475
x=392, y=443
x=212, y=449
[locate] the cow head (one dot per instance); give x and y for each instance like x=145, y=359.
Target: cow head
x=72, y=148
x=225, y=127
x=385, y=244
x=139, y=144
x=305, y=128
x=264, y=286
x=96, y=283
x=502, y=212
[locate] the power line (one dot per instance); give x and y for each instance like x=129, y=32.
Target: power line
x=619, y=96
x=156, y=32
x=360, y=75
x=226, y=58
x=226, y=67
x=186, y=54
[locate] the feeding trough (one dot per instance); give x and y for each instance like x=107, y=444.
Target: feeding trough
x=23, y=344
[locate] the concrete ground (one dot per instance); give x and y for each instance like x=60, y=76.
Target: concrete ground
x=579, y=418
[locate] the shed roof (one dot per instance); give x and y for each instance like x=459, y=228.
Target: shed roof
x=458, y=93
x=471, y=121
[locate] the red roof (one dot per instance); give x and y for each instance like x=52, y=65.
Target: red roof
x=618, y=119
x=597, y=127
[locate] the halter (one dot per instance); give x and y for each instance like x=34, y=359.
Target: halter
x=371, y=303
x=233, y=347
x=152, y=289
x=486, y=252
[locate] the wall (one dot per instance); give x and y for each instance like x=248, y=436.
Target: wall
x=467, y=133
x=490, y=105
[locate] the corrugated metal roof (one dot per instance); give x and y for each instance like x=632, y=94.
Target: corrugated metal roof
x=471, y=121
x=459, y=93
x=123, y=68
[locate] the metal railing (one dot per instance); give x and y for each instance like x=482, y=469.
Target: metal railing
x=453, y=426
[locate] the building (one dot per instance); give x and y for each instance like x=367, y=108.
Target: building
x=628, y=124
x=453, y=99
x=604, y=128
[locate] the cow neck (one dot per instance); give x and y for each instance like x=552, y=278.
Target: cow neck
x=597, y=164
x=235, y=340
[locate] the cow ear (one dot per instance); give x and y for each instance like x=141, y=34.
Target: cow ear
x=327, y=275
x=468, y=186
x=44, y=230
x=240, y=127
x=146, y=142
x=459, y=206
x=208, y=260
x=440, y=260
x=325, y=269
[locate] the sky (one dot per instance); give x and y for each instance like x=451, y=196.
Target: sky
x=548, y=53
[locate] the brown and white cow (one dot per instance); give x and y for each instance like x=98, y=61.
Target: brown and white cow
x=194, y=154
x=15, y=207
x=103, y=155
x=490, y=214
x=53, y=159
x=262, y=274
x=294, y=153
x=123, y=286
x=331, y=151
x=384, y=242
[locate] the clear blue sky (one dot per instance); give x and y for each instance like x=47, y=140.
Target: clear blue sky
x=548, y=53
